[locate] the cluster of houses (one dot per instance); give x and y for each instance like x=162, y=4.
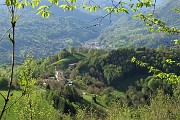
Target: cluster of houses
x=59, y=77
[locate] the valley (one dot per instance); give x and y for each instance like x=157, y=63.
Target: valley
x=35, y=34
x=89, y=60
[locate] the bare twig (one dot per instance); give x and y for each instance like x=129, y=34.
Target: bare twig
x=14, y=102
x=5, y=33
x=2, y=95
x=13, y=23
x=101, y=18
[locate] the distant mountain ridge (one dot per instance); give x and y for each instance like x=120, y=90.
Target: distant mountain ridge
x=45, y=37
x=132, y=32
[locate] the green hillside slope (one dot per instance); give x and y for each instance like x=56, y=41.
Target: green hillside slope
x=132, y=32
x=45, y=37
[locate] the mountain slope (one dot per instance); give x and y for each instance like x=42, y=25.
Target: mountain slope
x=47, y=36
x=133, y=32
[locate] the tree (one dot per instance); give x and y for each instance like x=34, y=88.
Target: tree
x=72, y=50
x=154, y=84
x=3, y=82
x=34, y=106
x=112, y=72
x=63, y=54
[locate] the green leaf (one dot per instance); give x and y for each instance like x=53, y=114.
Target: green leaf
x=20, y=5
x=8, y=2
x=32, y=5
x=44, y=11
x=131, y=5
x=139, y=4
x=67, y=7
x=40, y=11
x=177, y=42
x=133, y=59
x=170, y=61
x=108, y=9
x=41, y=7
x=10, y=38
x=64, y=6
x=177, y=10
x=125, y=10
x=54, y=2
x=90, y=9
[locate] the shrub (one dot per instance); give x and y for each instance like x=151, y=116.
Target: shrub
x=3, y=82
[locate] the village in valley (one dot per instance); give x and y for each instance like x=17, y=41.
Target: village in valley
x=59, y=78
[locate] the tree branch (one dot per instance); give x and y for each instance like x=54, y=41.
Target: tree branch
x=14, y=102
x=102, y=17
x=13, y=23
x=5, y=33
x=2, y=96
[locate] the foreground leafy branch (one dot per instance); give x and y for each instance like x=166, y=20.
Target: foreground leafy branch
x=171, y=77
x=12, y=5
